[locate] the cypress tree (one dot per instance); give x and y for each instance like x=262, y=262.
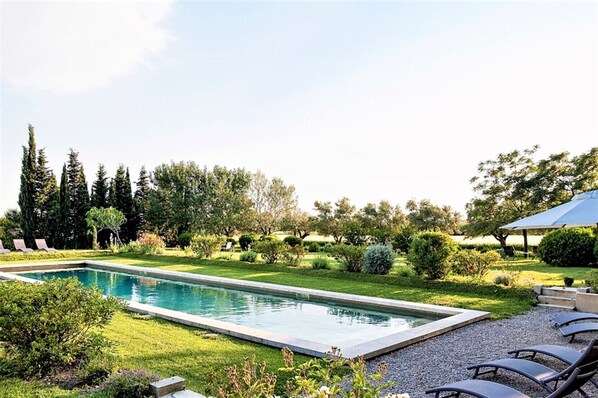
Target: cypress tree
x=139, y=200
x=99, y=189
x=27, y=193
x=47, y=199
x=122, y=199
x=79, y=198
x=65, y=234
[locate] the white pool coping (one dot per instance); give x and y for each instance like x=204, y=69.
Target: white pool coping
x=454, y=317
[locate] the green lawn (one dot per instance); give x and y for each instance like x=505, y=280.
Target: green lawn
x=168, y=349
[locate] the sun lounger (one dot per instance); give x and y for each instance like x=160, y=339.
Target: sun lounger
x=570, y=317
x=2, y=249
x=227, y=247
x=576, y=328
x=42, y=245
x=20, y=245
x=538, y=373
x=489, y=389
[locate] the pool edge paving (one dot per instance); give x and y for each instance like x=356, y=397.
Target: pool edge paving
x=453, y=317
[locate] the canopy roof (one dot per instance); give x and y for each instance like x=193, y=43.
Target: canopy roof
x=581, y=211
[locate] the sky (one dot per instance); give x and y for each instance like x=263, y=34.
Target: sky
x=369, y=100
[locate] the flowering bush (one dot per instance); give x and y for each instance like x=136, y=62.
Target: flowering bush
x=151, y=243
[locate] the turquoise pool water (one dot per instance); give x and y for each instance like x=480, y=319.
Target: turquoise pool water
x=323, y=322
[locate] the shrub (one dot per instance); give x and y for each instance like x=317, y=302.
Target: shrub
x=430, y=253
x=313, y=247
x=271, y=250
x=203, y=246
x=184, y=239
x=505, y=278
x=405, y=271
x=248, y=256
x=568, y=247
x=320, y=263
x=150, y=243
x=401, y=241
x=378, y=259
x=248, y=381
x=568, y=281
x=246, y=240
x=97, y=370
x=54, y=324
x=328, y=247
x=592, y=279
x=350, y=256
x=129, y=383
x=292, y=240
x=473, y=263
x=293, y=255
x=268, y=238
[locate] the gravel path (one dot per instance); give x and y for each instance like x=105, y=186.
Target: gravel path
x=444, y=359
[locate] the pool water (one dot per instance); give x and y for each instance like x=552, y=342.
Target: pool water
x=324, y=322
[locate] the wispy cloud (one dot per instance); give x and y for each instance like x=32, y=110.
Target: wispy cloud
x=69, y=47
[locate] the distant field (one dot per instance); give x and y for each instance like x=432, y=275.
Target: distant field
x=532, y=240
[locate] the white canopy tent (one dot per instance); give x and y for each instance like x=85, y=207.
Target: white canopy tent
x=581, y=211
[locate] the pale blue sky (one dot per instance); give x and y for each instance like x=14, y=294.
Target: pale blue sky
x=370, y=100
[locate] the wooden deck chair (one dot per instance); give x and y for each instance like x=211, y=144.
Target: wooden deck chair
x=20, y=245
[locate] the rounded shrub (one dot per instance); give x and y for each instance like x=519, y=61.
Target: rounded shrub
x=402, y=238
x=246, y=240
x=293, y=240
x=184, y=239
x=328, y=247
x=203, y=246
x=320, y=263
x=474, y=263
x=378, y=259
x=350, y=256
x=430, y=254
x=313, y=247
x=150, y=243
x=568, y=247
x=248, y=256
x=271, y=250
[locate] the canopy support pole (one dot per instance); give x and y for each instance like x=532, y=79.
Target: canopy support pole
x=526, y=253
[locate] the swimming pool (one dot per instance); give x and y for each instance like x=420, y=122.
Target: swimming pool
x=306, y=320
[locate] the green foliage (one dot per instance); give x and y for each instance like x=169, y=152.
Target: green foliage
x=49, y=325
x=268, y=238
x=332, y=220
x=97, y=369
x=292, y=240
x=78, y=197
x=121, y=198
x=246, y=240
x=150, y=243
x=430, y=253
x=568, y=247
x=592, y=279
x=105, y=218
x=328, y=247
x=380, y=222
x=129, y=383
x=402, y=238
x=313, y=247
x=293, y=255
x=184, y=239
x=355, y=233
x=248, y=381
x=405, y=271
x=426, y=216
x=271, y=250
x=505, y=278
x=320, y=263
x=10, y=227
x=350, y=256
x=473, y=263
x=203, y=246
x=272, y=200
x=378, y=259
x=334, y=377
x=248, y=256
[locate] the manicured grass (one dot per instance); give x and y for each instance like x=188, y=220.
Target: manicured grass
x=535, y=271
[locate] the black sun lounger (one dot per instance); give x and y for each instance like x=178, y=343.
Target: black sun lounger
x=538, y=373
x=576, y=328
x=488, y=389
x=570, y=317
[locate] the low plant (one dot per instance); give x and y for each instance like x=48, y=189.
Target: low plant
x=592, y=279
x=328, y=247
x=248, y=381
x=405, y=271
x=350, y=256
x=150, y=243
x=56, y=324
x=248, y=256
x=293, y=240
x=245, y=241
x=473, y=263
x=568, y=247
x=378, y=259
x=505, y=278
x=320, y=263
x=313, y=247
x=293, y=255
x=96, y=370
x=204, y=246
x=568, y=281
x=184, y=239
x=430, y=254
x=130, y=383
x=271, y=250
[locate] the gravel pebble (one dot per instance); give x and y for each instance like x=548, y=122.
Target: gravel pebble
x=444, y=359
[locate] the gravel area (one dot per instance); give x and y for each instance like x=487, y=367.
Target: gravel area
x=445, y=358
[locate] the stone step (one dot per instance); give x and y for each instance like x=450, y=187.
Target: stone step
x=559, y=292
x=185, y=394
x=563, y=302
x=555, y=306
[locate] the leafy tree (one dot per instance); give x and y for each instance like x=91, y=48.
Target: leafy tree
x=10, y=227
x=333, y=221
x=380, y=222
x=79, y=202
x=139, y=200
x=107, y=218
x=27, y=193
x=123, y=200
x=425, y=216
x=272, y=201
x=299, y=222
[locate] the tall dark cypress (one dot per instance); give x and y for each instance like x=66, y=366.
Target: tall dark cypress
x=139, y=200
x=122, y=199
x=47, y=204
x=27, y=193
x=80, y=203
x=100, y=188
x=64, y=236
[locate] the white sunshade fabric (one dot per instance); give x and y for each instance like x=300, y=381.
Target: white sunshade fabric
x=581, y=211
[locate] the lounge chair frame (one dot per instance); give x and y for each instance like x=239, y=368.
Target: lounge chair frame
x=2, y=249
x=576, y=328
x=42, y=245
x=20, y=245
x=570, y=317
